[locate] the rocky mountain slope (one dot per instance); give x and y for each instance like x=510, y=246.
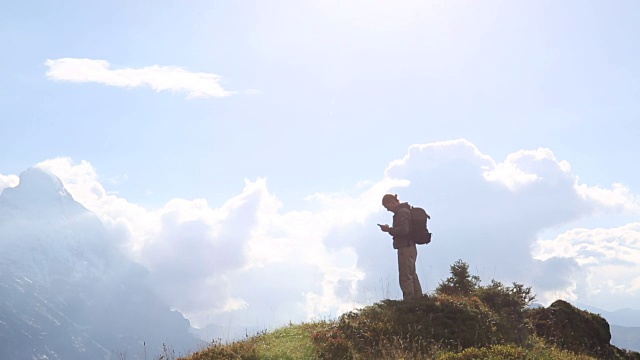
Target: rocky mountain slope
x=66, y=290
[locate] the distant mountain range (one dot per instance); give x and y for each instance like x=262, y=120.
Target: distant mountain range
x=623, y=317
x=625, y=337
x=624, y=323
x=67, y=291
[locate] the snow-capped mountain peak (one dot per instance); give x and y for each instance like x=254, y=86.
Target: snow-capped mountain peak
x=67, y=291
x=39, y=191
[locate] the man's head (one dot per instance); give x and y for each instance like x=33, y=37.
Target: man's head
x=390, y=202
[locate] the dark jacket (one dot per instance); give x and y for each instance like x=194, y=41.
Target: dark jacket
x=401, y=226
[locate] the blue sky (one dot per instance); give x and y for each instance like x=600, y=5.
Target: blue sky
x=321, y=97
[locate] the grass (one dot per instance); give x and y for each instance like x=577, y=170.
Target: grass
x=290, y=342
x=286, y=343
x=398, y=330
x=294, y=342
x=459, y=322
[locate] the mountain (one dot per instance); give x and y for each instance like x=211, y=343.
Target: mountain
x=626, y=337
x=624, y=317
x=625, y=326
x=66, y=289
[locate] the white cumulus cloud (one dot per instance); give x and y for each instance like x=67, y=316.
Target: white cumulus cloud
x=246, y=261
x=159, y=78
x=607, y=261
x=8, y=181
x=490, y=213
x=245, y=257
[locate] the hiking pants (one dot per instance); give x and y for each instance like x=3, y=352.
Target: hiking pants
x=409, y=282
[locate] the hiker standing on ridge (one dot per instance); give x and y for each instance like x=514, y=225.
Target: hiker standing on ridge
x=407, y=251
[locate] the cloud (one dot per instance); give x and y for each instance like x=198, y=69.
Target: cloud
x=490, y=213
x=159, y=78
x=556, y=278
x=244, y=258
x=516, y=171
x=246, y=261
x=607, y=259
x=8, y=181
x=618, y=197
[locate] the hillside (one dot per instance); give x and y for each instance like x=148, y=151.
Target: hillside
x=66, y=289
x=462, y=320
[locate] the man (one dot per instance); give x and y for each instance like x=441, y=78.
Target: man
x=407, y=251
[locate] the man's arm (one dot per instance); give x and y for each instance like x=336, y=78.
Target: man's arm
x=401, y=223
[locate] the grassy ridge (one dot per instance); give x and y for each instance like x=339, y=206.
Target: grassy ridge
x=438, y=327
x=286, y=343
x=461, y=321
x=294, y=342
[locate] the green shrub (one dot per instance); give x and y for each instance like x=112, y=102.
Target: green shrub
x=509, y=303
x=446, y=321
x=513, y=352
x=497, y=352
x=332, y=344
x=460, y=283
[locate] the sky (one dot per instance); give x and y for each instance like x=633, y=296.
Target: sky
x=240, y=150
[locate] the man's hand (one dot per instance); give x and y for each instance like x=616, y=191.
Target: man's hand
x=384, y=227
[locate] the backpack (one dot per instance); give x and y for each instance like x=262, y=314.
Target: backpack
x=419, y=233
